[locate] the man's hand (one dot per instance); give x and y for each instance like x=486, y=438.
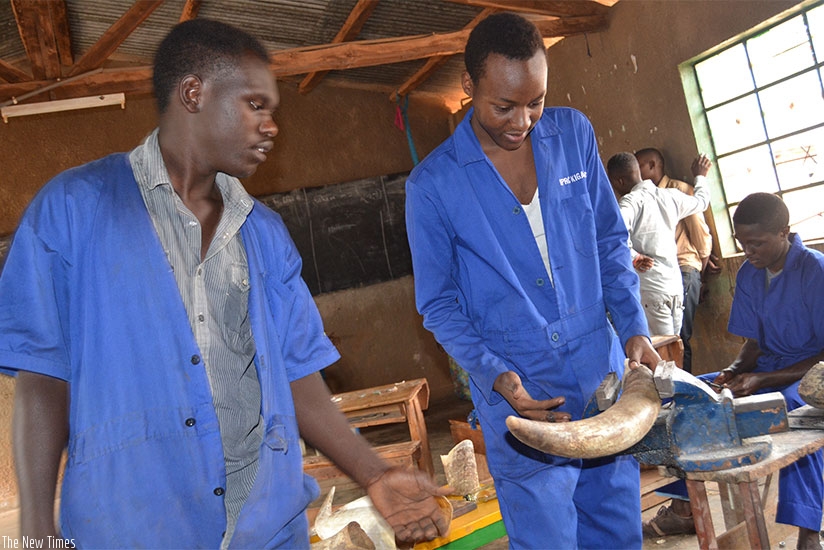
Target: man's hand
x=509, y=385
x=639, y=351
x=712, y=266
x=406, y=498
x=701, y=165
x=642, y=263
x=741, y=385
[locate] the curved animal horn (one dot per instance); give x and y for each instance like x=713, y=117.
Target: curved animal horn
x=619, y=427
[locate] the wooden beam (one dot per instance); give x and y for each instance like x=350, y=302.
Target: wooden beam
x=34, y=23
x=557, y=8
x=349, y=31
x=62, y=36
x=433, y=63
x=101, y=81
x=368, y=53
x=190, y=10
x=115, y=36
x=348, y=55
x=10, y=73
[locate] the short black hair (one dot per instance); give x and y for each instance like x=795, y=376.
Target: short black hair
x=651, y=151
x=201, y=47
x=764, y=209
x=504, y=33
x=621, y=164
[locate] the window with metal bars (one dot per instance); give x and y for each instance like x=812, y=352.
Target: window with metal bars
x=757, y=103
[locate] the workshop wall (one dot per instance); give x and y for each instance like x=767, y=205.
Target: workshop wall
x=626, y=81
x=333, y=135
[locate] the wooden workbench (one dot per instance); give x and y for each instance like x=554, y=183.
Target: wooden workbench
x=744, y=512
x=402, y=402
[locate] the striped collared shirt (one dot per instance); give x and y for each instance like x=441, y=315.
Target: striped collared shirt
x=215, y=294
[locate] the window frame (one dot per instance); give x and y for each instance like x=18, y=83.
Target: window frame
x=698, y=114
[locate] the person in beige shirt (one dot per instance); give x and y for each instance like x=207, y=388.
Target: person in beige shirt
x=693, y=241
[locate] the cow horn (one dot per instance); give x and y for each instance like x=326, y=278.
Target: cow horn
x=619, y=427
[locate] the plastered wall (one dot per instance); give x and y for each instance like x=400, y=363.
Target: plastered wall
x=626, y=81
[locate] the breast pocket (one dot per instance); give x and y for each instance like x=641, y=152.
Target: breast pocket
x=580, y=221
x=236, y=328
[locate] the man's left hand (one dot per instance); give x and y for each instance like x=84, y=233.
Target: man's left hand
x=406, y=498
x=744, y=384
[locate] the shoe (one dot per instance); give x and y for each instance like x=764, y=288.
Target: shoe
x=666, y=522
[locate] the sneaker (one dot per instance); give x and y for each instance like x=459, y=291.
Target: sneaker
x=666, y=522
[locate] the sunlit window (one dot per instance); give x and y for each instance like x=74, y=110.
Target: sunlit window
x=760, y=109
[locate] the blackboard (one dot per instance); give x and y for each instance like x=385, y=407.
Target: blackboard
x=349, y=234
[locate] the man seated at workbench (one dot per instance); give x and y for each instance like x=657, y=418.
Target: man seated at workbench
x=779, y=297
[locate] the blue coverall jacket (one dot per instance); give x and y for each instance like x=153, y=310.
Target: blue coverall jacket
x=485, y=293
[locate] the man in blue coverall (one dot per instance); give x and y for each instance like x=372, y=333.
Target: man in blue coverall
x=155, y=317
x=777, y=308
x=519, y=251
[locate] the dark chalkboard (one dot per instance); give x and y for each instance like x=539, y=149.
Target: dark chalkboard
x=349, y=234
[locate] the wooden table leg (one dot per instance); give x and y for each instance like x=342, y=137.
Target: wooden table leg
x=417, y=431
x=701, y=515
x=754, y=515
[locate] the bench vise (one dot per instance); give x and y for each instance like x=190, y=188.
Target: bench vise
x=701, y=430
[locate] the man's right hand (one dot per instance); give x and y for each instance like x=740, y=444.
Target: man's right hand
x=509, y=385
x=701, y=165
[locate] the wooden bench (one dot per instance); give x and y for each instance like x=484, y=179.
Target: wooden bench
x=402, y=402
x=670, y=348
x=406, y=454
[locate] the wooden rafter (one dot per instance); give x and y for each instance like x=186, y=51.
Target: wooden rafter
x=10, y=73
x=433, y=63
x=190, y=10
x=62, y=36
x=368, y=53
x=347, y=55
x=349, y=31
x=115, y=36
x=558, y=8
x=39, y=34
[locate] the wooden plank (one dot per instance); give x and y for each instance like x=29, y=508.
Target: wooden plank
x=701, y=515
x=558, y=8
x=114, y=36
x=406, y=455
x=432, y=64
x=368, y=53
x=62, y=37
x=753, y=512
x=34, y=23
x=349, y=31
x=10, y=73
x=190, y=10
x=734, y=538
x=388, y=394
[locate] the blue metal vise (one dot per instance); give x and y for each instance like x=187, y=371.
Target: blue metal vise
x=701, y=430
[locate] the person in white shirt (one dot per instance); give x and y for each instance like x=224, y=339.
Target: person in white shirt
x=651, y=215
